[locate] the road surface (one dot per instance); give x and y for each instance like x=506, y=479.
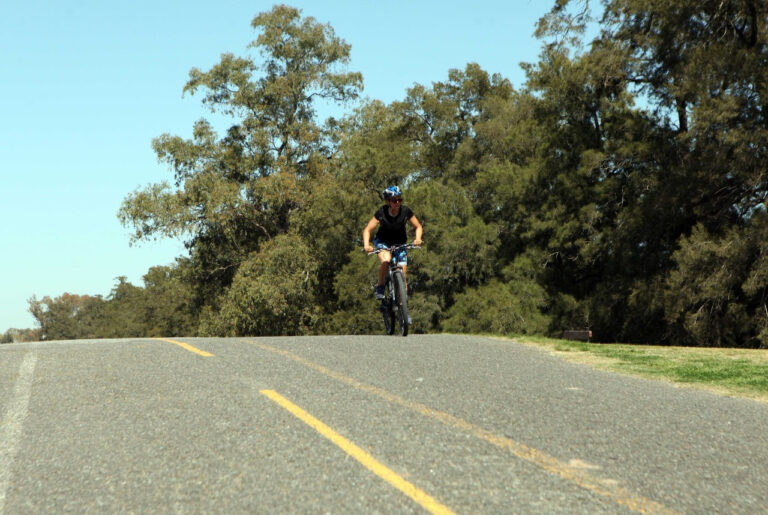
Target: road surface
x=362, y=424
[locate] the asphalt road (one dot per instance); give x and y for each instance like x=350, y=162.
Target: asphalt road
x=362, y=425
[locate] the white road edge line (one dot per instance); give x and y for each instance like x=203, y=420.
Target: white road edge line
x=13, y=421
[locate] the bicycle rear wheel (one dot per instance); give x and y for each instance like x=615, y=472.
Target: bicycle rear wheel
x=401, y=302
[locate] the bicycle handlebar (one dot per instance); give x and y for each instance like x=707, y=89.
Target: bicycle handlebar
x=394, y=248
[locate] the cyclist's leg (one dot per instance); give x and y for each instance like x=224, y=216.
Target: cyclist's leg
x=384, y=258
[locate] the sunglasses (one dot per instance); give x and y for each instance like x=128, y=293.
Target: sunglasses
x=396, y=200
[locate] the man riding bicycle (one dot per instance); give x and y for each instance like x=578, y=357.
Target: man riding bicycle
x=392, y=217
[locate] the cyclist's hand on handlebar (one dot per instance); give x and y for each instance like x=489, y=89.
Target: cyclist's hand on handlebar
x=417, y=243
x=368, y=248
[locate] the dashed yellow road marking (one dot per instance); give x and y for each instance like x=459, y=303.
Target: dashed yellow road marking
x=187, y=346
x=605, y=487
x=368, y=461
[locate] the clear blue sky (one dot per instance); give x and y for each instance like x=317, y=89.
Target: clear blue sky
x=86, y=85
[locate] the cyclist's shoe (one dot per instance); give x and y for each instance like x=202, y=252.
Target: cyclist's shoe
x=380, y=291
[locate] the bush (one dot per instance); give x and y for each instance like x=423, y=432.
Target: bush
x=273, y=293
x=499, y=308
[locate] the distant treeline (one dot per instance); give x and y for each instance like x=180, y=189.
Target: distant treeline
x=622, y=189
x=20, y=335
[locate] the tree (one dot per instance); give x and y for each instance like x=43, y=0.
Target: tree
x=718, y=292
x=440, y=121
x=169, y=303
x=622, y=190
x=67, y=317
x=273, y=293
x=236, y=192
x=691, y=158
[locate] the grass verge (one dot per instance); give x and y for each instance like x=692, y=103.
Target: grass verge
x=734, y=372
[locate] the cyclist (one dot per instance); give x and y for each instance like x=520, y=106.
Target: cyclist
x=392, y=217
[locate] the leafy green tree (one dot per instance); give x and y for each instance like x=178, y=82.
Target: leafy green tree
x=168, y=304
x=162, y=308
x=124, y=312
x=716, y=296
x=356, y=311
x=513, y=305
x=440, y=121
x=703, y=63
x=493, y=308
x=235, y=192
x=621, y=190
x=273, y=293
x=66, y=317
x=330, y=224
x=460, y=249
x=14, y=335
x=375, y=148
x=691, y=158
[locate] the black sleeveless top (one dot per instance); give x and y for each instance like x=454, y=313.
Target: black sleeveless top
x=392, y=228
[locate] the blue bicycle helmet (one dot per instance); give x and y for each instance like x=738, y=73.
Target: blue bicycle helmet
x=391, y=192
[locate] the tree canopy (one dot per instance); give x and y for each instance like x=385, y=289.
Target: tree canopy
x=621, y=189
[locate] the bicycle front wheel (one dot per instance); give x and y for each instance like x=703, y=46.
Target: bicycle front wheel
x=401, y=302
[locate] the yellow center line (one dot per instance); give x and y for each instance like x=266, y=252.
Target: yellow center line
x=187, y=346
x=604, y=487
x=368, y=461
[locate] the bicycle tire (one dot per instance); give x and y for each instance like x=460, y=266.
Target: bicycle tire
x=401, y=300
x=389, y=317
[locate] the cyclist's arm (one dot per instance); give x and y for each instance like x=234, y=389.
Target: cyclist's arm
x=367, y=234
x=416, y=225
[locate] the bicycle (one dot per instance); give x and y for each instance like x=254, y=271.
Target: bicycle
x=394, y=305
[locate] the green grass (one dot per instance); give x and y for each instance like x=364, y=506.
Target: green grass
x=738, y=372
